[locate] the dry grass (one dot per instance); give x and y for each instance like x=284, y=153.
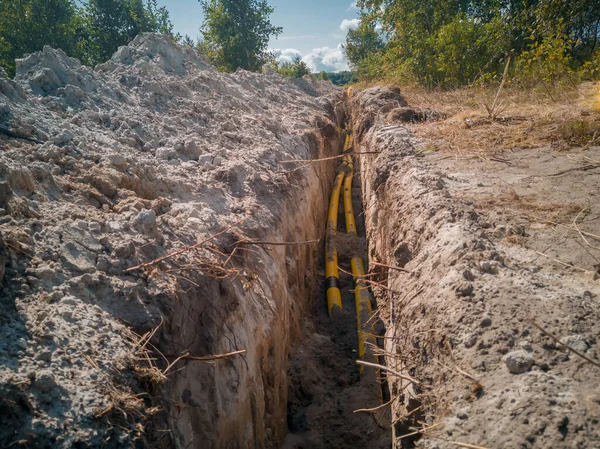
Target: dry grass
x=523, y=118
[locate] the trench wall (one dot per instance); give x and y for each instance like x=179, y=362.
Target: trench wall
x=242, y=402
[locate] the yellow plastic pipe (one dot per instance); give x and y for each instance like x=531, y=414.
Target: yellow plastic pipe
x=332, y=275
x=361, y=293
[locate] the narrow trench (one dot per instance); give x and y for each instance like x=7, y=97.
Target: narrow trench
x=326, y=387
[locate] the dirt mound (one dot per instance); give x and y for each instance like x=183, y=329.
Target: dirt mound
x=143, y=155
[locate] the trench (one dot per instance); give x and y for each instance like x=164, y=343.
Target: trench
x=298, y=385
x=333, y=402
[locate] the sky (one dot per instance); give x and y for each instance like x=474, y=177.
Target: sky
x=312, y=29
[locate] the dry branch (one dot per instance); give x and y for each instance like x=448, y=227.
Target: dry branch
x=184, y=250
x=492, y=110
x=561, y=262
x=548, y=334
x=377, y=264
x=543, y=220
x=389, y=370
x=421, y=431
x=292, y=161
x=252, y=242
x=208, y=358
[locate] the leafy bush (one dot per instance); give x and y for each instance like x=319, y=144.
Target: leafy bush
x=296, y=69
x=456, y=42
x=467, y=50
x=546, y=60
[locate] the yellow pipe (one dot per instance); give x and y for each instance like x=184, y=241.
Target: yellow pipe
x=361, y=293
x=348, y=143
x=334, y=295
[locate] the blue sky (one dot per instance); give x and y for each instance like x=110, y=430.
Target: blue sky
x=313, y=29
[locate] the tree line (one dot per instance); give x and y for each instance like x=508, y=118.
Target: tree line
x=91, y=31
x=458, y=42
x=235, y=33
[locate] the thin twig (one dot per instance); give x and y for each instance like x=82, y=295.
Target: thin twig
x=374, y=409
x=422, y=431
x=545, y=332
x=581, y=233
x=491, y=111
x=589, y=234
x=561, y=262
x=208, y=358
x=377, y=264
x=251, y=242
x=292, y=161
x=462, y=373
x=186, y=249
x=389, y=370
x=456, y=443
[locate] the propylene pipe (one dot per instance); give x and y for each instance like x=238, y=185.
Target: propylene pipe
x=332, y=282
x=366, y=332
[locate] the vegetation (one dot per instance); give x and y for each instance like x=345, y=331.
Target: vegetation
x=90, y=32
x=296, y=69
x=236, y=33
x=343, y=78
x=460, y=42
x=109, y=24
x=24, y=28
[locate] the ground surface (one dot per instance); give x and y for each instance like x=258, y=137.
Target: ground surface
x=477, y=234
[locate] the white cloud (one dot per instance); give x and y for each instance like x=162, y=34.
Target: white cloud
x=349, y=24
x=353, y=6
x=324, y=58
x=327, y=59
x=287, y=55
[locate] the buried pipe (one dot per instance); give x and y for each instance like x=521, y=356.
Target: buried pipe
x=366, y=332
x=332, y=282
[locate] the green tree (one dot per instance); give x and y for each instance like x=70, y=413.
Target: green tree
x=323, y=76
x=235, y=33
x=363, y=47
x=456, y=41
x=187, y=41
x=296, y=69
x=27, y=25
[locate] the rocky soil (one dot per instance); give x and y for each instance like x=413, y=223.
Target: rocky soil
x=502, y=253
x=142, y=156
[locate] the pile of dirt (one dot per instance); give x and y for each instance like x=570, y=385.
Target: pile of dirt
x=488, y=286
x=144, y=155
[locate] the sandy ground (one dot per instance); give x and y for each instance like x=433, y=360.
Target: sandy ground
x=142, y=156
x=477, y=235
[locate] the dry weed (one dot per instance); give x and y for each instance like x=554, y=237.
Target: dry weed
x=521, y=119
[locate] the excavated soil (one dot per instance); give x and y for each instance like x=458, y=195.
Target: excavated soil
x=144, y=156
x=161, y=223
